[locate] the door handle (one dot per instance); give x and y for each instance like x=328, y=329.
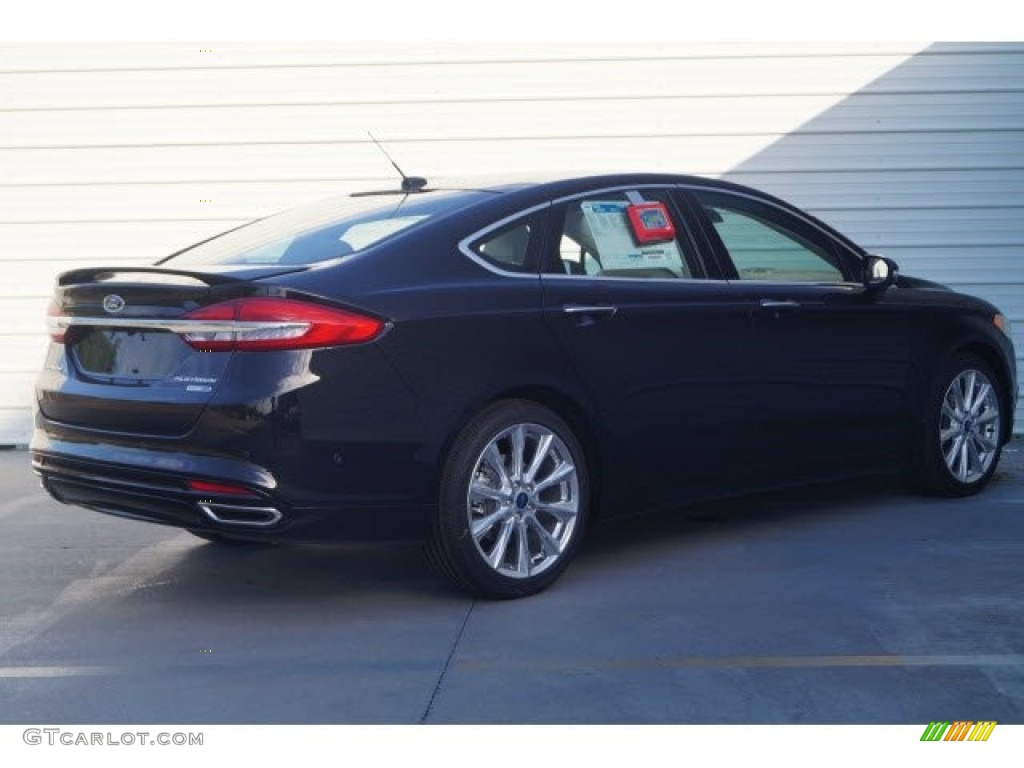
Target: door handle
x=593, y=310
x=588, y=314
x=779, y=304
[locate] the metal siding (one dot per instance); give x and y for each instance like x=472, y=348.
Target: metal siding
x=123, y=153
x=926, y=165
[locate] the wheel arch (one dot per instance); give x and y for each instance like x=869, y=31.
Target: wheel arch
x=991, y=356
x=453, y=544
x=565, y=407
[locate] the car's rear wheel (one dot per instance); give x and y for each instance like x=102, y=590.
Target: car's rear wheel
x=513, y=502
x=962, y=428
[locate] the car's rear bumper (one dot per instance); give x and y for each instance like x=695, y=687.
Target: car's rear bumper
x=154, y=486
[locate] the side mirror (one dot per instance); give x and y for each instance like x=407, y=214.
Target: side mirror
x=879, y=272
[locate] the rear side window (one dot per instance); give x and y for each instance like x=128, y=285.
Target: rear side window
x=606, y=236
x=325, y=230
x=508, y=248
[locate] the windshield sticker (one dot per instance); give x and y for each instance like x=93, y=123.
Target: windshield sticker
x=612, y=234
x=651, y=223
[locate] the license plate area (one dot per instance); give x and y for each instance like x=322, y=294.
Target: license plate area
x=128, y=356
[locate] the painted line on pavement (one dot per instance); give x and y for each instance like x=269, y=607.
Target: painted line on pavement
x=7, y=673
x=753, y=662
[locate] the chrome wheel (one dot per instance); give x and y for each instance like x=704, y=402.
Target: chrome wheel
x=513, y=501
x=969, y=426
x=523, y=500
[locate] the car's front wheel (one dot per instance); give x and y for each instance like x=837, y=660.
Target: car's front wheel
x=962, y=427
x=513, y=502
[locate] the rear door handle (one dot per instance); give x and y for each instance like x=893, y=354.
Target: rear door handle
x=591, y=310
x=588, y=314
x=779, y=304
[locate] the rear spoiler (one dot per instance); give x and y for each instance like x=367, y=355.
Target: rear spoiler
x=210, y=276
x=94, y=274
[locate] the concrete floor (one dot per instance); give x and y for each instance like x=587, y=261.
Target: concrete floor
x=857, y=603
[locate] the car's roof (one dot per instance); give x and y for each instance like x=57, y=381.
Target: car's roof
x=563, y=184
x=517, y=193
x=552, y=188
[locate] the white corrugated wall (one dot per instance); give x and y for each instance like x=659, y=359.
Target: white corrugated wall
x=123, y=153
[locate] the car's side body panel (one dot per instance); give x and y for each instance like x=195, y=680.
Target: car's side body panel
x=680, y=389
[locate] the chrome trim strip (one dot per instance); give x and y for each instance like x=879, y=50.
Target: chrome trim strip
x=176, y=326
x=806, y=283
x=622, y=278
x=467, y=251
x=274, y=514
x=581, y=309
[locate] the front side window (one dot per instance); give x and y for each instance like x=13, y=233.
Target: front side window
x=767, y=244
x=629, y=234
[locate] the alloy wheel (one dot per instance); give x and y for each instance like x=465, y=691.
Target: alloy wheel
x=523, y=500
x=969, y=426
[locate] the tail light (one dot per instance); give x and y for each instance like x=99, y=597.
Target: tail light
x=55, y=328
x=267, y=323
x=205, y=486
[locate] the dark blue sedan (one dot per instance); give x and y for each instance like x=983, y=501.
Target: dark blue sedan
x=489, y=370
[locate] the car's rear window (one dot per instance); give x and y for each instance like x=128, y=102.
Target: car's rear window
x=327, y=229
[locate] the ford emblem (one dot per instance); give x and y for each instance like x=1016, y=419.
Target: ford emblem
x=113, y=303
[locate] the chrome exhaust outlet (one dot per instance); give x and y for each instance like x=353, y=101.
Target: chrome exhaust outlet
x=235, y=514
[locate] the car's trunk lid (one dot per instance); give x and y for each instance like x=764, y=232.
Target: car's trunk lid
x=124, y=365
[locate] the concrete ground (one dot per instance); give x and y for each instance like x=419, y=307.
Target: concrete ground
x=857, y=603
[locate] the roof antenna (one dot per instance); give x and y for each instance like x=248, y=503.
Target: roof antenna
x=410, y=184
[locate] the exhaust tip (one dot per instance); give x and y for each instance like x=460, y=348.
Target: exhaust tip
x=235, y=514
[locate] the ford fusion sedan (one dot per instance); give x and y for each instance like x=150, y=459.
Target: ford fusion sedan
x=491, y=370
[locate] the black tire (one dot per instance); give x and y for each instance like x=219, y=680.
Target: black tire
x=975, y=442
x=531, y=532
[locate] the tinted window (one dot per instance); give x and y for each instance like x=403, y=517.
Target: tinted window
x=598, y=238
x=324, y=230
x=508, y=247
x=765, y=243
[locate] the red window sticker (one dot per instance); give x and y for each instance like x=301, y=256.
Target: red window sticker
x=650, y=223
